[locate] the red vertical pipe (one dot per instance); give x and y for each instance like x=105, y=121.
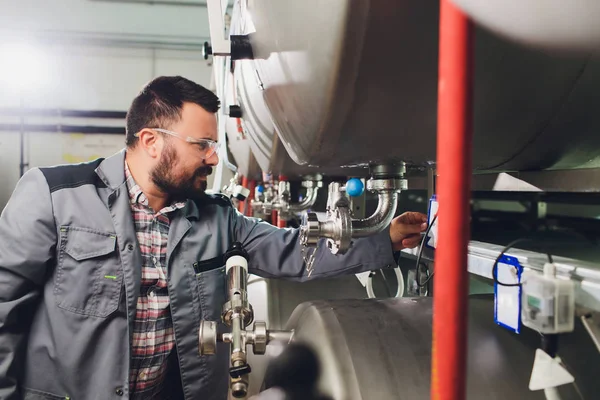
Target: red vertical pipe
x=454, y=141
x=251, y=187
x=281, y=223
x=274, y=217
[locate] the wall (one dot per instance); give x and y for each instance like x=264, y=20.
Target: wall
x=111, y=20
x=87, y=79
x=94, y=56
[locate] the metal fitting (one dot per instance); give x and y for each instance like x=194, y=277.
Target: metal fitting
x=392, y=185
x=341, y=231
x=239, y=388
x=237, y=306
x=387, y=171
x=238, y=314
x=277, y=198
x=238, y=358
x=381, y=218
x=312, y=184
x=207, y=338
x=310, y=231
x=241, y=193
x=339, y=228
x=260, y=338
x=235, y=190
x=309, y=200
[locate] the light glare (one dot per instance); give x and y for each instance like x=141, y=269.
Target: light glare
x=23, y=67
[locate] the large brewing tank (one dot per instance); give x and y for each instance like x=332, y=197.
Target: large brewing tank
x=239, y=147
x=381, y=349
x=238, y=144
x=256, y=124
x=351, y=82
x=258, y=129
x=558, y=24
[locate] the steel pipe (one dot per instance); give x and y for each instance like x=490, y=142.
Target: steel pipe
x=307, y=202
x=236, y=334
x=381, y=219
x=280, y=336
x=454, y=160
x=281, y=201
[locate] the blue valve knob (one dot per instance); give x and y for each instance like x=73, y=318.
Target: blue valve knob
x=355, y=187
x=260, y=189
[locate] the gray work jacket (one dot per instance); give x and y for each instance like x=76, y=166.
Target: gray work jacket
x=66, y=330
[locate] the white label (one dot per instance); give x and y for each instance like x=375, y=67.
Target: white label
x=547, y=372
x=508, y=298
x=433, y=232
x=363, y=277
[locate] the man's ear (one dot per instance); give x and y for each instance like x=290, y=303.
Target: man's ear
x=150, y=142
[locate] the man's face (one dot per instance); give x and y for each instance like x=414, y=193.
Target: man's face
x=181, y=171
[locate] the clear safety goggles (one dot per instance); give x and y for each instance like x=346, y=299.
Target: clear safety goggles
x=206, y=147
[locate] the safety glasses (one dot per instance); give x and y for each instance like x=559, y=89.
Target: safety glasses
x=206, y=147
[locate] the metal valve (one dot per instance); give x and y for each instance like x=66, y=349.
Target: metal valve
x=238, y=315
x=235, y=190
x=339, y=228
x=276, y=197
x=207, y=338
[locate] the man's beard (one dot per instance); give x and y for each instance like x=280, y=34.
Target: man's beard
x=178, y=189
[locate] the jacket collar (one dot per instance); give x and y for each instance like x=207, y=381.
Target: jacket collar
x=191, y=210
x=112, y=170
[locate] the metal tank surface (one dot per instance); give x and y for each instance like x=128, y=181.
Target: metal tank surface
x=381, y=349
x=239, y=146
x=259, y=131
x=354, y=82
x=547, y=23
x=256, y=120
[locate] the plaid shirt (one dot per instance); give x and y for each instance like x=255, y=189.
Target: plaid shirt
x=153, y=337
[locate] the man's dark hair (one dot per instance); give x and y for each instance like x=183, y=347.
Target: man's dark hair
x=160, y=103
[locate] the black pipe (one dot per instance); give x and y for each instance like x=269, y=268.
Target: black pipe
x=550, y=344
x=57, y=128
x=57, y=112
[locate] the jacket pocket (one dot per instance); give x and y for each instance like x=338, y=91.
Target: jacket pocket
x=32, y=394
x=88, y=279
x=212, y=287
x=208, y=265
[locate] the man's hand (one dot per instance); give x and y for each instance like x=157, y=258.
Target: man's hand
x=405, y=230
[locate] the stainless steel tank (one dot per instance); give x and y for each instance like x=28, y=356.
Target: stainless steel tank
x=238, y=144
x=239, y=147
x=351, y=82
x=546, y=23
x=381, y=349
x=259, y=131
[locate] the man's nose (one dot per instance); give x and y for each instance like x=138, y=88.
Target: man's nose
x=213, y=160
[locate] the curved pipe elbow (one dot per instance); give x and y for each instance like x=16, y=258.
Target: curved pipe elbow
x=381, y=219
x=308, y=202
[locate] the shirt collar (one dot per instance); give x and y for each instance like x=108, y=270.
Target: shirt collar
x=137, y=196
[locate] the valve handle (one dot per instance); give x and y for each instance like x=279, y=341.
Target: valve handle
x=237, y=372
x=355, y=187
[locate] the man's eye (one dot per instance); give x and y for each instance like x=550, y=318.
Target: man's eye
x=203, y=146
